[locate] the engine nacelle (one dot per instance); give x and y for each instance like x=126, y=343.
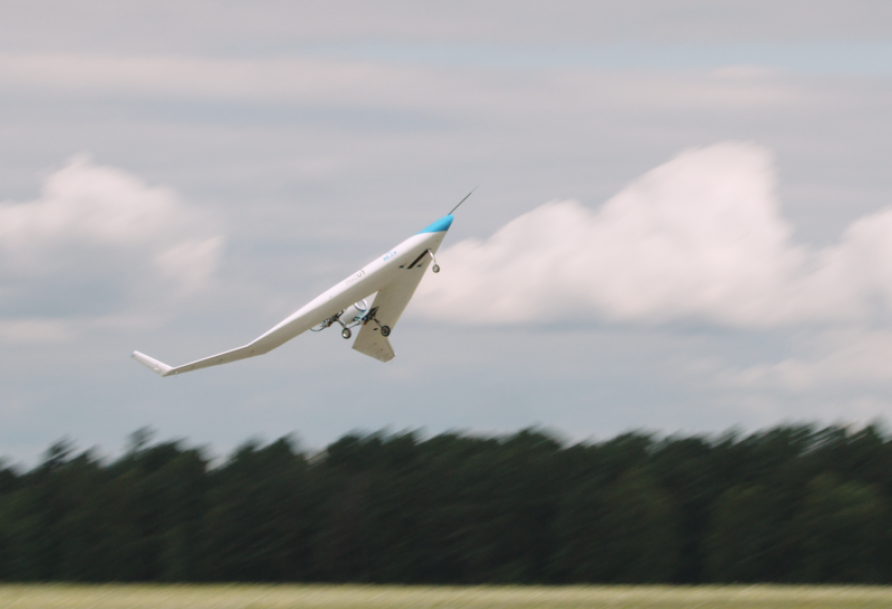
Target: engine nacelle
x=355, y=313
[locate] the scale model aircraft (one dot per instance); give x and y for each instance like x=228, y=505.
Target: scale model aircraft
x=389, y=281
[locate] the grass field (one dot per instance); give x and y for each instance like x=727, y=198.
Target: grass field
x=483, y=597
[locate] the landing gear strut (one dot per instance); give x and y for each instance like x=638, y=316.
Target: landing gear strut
x=385, y=330
x=435, y=268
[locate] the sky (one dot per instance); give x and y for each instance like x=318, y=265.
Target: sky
x=681, y=223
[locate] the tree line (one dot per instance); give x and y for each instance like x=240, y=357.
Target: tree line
x=789, y=504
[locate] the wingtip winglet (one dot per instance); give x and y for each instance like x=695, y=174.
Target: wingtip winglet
x=151, y=363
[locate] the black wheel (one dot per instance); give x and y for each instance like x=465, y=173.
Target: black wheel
x=385, y=330
x=436, y=268
x=346, y=333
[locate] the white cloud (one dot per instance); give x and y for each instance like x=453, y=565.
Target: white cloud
x=36, y=331
x=273, y=24
x=344, y=83
x=699, y=238
x=96, y=243
x=856, y=359
x=182, y=77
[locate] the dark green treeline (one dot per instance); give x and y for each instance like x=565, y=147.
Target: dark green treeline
x=792, y=504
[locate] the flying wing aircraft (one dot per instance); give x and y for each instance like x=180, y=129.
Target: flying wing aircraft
x=389, y=282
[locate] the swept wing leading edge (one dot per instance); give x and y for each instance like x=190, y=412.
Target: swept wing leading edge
x=285, y=331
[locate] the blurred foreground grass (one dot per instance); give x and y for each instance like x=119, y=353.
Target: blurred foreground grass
x=482, y=597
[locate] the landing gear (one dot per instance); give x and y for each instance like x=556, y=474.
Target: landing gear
x=336, y=318
x=436, y=267
x=385, y=330
x=370, y=316
x=346, y=333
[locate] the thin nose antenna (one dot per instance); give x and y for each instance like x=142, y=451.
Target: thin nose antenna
x=462, y=201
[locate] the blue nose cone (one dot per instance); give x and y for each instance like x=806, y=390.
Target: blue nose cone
x=440, y=226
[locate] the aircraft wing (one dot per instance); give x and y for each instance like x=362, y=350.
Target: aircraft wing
x=214, y=360
x=390, y=303
x=282, y=333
